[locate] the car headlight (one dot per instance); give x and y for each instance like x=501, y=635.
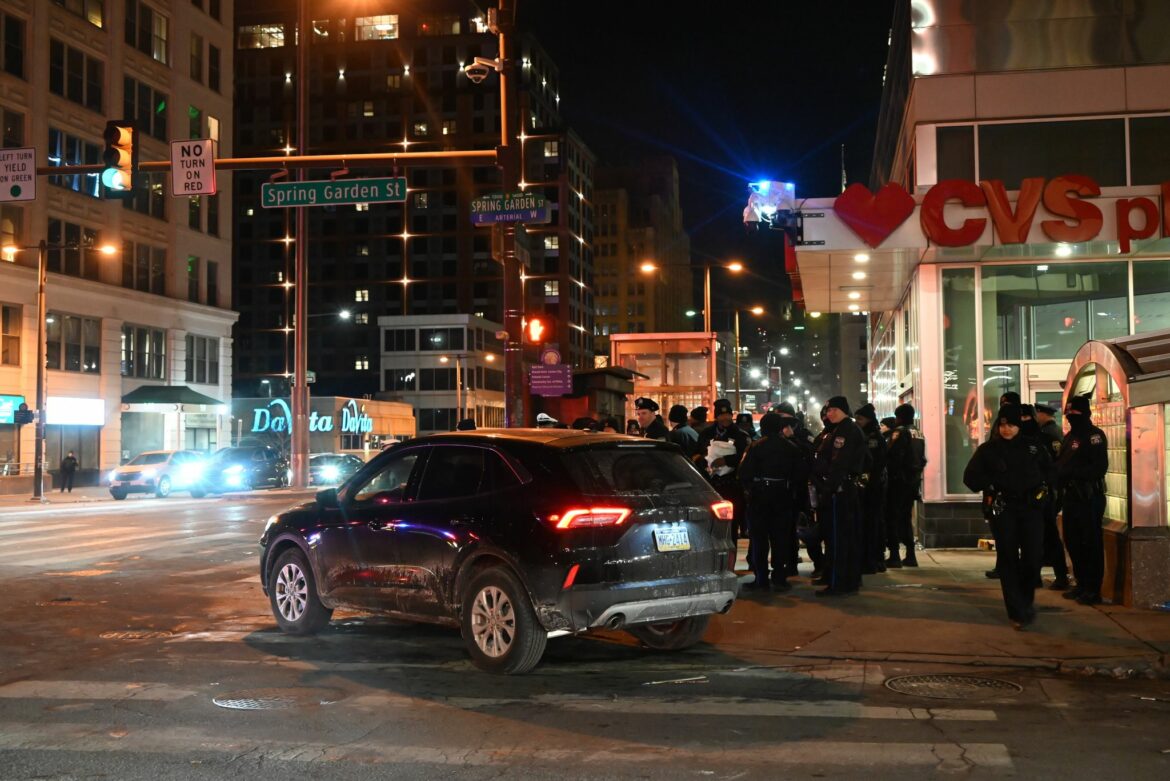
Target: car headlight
x=191, y=472
x=113, y=476
x=149, y=473
x=330, y=473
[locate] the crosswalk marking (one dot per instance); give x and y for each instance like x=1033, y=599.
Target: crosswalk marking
x=110, y=548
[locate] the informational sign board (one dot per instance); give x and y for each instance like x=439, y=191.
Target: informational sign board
x=327, y=192
x=530, y=207
x=550, y=379
x=193, y=167
x=8, y=406
x=18, y=174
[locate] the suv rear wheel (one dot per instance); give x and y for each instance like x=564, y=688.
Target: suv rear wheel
x=163, y=489
x=499, y=626
x=673, y=636
x=293, y=595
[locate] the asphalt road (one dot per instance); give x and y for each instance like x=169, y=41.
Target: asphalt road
x=136, y=644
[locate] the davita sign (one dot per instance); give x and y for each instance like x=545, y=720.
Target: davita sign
x=276, y=418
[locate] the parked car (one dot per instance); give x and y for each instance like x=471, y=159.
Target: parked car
x=244, y=468
x=332, y=468
x=514, y=536
x=158, y=472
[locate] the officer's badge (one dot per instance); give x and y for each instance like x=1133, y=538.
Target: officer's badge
x=1095, y=439
x=838, y=442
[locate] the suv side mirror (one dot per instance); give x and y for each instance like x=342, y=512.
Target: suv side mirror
x=327, y=498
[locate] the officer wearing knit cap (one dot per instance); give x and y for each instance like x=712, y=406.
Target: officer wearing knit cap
x=681, y=433
x=1010, y=471
x=837, y=470
x=697, y=419
x=766, y=474
x=722, y=468
x=1080, y=474
x=873, y=493
x=649, y=421
x=904, y=462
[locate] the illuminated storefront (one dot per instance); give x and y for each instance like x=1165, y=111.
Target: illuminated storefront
x=336, y=423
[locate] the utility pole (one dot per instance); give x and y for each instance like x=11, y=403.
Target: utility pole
x=300, y=388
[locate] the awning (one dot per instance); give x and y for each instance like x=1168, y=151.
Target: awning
x=167, y=394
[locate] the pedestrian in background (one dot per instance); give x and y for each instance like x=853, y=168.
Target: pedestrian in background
x=765, y=474
x=1084, y=460
x=904, y=464
x=1011, y=471
x=69, y=466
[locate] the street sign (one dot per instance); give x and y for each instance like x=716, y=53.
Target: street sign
x=193, y=167
x=18, y=174
x=327, y=192
x=551, y=379
x=513, y=207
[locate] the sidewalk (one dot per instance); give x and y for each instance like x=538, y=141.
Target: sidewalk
x=946, y=612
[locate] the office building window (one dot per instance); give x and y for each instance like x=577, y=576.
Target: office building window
x=1149, y=155
x=144, y=267
x=376, y=28
x=439, y=24
x=398, y=340
x=197, y=58
x=147, y=30
x=75, y=75
x=361, y=363
x=362, y=318
x=436, y=419
x=440, y=339
x=93, y=11
x=11, y=127
x=213, y=9
x=398, y=380
x=955, y=151
x=194, y=212
x=75, y=255
x=11, y=220
x=73, y=344
x=194, y=122
x=1014, y=151
x=67, y=149
x=448, y=127
x=436, y=379
x=151, y=196
x=202, y=359
x=362, y=295
x=12, y=39
x=260, y=36
x=212, y=283
x=213, y=215
x=420, y=128
x=9, y=335
x=146, y=106
x=213, y=56
x=144, y=352
x=192, y=278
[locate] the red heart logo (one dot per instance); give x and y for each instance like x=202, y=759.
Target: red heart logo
x=874, y=217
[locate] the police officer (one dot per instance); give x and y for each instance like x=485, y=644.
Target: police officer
x=724, y=430
x=802, y=512
x=1080, y=471
x=873, y=494
x=837, y=470
x=816, y=539
x=697, y=419
x=766, y=474
x=1011, y=472
x=682, y=434
x=904, y=472
x=649, y=421
x=1053, y=439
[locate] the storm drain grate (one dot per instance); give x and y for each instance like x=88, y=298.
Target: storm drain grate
x=277, y=699
x=951, y=687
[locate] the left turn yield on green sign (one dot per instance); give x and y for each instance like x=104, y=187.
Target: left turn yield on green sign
x=18, y=174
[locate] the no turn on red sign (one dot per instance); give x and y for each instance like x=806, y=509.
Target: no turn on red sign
x=193, y=167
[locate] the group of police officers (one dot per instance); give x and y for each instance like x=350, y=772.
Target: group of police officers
x=848, y=493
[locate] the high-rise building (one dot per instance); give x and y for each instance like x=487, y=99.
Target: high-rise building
x=390, y=80
x=139, y=345
x=641, y=252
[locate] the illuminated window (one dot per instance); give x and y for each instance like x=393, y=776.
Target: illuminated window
x=439, y=24
x=552, y=242
x=420, y=200
x=552, y=148
x=361, y=363
x=421, y=129
x=89, y=10
x=368, y=108
x=260, y=36
x=393, y=81
x=359, y=207
x=10, y=317
x=362, y=318
x=361, y=295
x=376, y=28
x=448, y=127
x=552, y=288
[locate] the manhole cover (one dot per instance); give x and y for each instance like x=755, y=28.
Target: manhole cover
x=136, y=634
x=278, y=699
x=952, y=687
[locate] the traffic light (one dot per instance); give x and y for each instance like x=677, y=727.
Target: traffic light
x=121, y=159
x=535, y=330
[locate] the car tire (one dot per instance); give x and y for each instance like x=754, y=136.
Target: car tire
x=499, y=626
x=163, y=489
x=198, y=493
x=292, y=593
x=672, y=636
x=118, y=493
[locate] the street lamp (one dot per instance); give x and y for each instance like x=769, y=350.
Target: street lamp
x=42, y=248
x=734, y=267
x=755, y=310
x=458, y=382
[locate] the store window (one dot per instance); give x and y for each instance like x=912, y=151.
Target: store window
x=955, y=152
x=1014, y=151
x=143, y=352
x=1047, y=311
x=1149, y=155
x=9, y=335
x=1151, y=295
x=961, y=423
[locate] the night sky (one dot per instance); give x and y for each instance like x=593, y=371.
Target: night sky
x=735, y=91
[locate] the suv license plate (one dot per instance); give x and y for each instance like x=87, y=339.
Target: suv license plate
x=674, y=538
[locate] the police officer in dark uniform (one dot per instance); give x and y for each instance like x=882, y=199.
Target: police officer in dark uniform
x=873, y=493
x=765, y=473
x=837, y=470
x=1053, y=439
x=904, y=472
x=794, y=429
x=649, y=421
x=724, y=430
x=1080, y=471
x=1010, y=470
x=816, y=539
x=681, y=433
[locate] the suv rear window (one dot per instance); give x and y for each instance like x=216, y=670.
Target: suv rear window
x=631, y=470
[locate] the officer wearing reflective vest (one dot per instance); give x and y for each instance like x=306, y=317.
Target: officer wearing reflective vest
x=837, y=469
x=766, y=473
x=1080, y=472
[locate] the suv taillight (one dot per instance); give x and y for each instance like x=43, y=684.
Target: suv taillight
x=724, y=511
x=592, y=516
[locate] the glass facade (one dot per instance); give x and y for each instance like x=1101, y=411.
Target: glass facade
x=961, y=428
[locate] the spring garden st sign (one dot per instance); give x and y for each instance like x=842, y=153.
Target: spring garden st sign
x=276, y=418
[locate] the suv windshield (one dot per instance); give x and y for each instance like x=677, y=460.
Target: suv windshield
x=149, y=458
x=632, y=470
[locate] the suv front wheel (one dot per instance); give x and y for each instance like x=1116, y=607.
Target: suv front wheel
x=672, y=636
x=293, y=595
x=499, y=626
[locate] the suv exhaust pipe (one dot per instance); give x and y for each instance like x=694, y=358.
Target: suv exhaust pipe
x=615, y=621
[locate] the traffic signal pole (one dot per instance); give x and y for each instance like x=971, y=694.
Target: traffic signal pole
x=508, y=160
x=300, y=389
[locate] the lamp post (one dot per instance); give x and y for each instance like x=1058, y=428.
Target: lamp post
x=755, y=310
x=734, y=267
x=458, y=383
x=42, y=249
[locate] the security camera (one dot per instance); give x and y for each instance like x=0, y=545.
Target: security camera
x=479, y=69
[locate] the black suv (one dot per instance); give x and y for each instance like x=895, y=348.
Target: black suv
x=514, y=536
x=244, y=468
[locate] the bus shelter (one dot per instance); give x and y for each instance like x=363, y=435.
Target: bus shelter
x=1127, y=380
x=671, y=368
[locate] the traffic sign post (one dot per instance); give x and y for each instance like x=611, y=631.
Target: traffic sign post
x=511, y=207
x=18, y=174
x=193, y=167
x=328, y=192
